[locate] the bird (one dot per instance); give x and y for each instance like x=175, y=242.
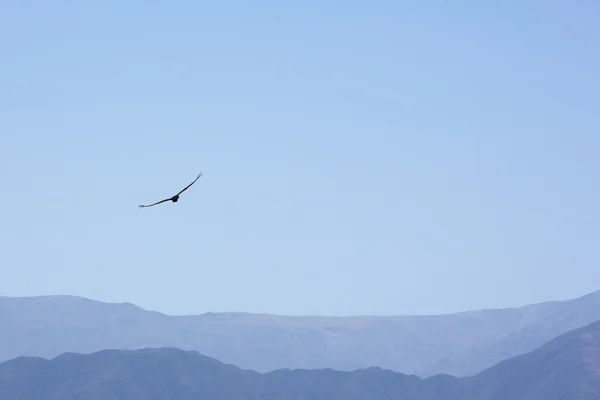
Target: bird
x=175, y=198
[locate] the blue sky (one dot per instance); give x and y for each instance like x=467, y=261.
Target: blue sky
x=379, y=157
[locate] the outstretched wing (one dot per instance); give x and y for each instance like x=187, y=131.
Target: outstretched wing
x=153, y=204
x=185, y=188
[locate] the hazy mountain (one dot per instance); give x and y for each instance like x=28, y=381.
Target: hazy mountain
x=565, y=368
x=458, y=344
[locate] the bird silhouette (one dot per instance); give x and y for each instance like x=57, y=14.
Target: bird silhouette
x=175, y=198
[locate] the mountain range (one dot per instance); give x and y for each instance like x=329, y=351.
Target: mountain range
x=567, y=367
x=460, y=344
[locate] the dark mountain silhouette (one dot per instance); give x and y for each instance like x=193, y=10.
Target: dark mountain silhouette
x=460, y=344
x=568, y=367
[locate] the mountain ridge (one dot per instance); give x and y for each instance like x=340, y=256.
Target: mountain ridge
x=54, y=297
x=567, y=367
x=459, y=344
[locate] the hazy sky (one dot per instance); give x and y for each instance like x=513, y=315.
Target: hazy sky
x=380, y=157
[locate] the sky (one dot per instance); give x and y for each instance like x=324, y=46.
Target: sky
x=384, y=157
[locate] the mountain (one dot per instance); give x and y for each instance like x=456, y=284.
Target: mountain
x=567, y=367
x=460, y=344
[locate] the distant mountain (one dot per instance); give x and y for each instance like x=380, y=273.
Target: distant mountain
x=565, y=368
x=459, y=344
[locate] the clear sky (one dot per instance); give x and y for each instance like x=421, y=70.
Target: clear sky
x=384, y=157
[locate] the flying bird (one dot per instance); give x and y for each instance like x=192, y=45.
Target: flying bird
x=174, y=198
